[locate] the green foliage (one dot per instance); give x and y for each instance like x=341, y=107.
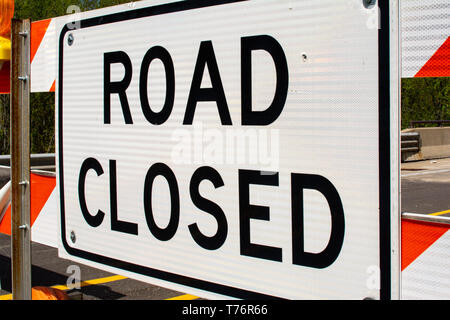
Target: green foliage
x=4, y=124
x=425, y=99
x=44, y=9
x=42, y=123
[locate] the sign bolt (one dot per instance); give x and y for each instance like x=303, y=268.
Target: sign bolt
x=23, y=227
x=304, y=57
x=70, y=39
x=73, y=238
x=368, y=4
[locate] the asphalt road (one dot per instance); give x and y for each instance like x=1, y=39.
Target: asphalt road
x=425, y=188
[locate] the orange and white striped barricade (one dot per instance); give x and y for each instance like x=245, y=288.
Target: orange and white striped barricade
x=425, y=257
x=425, y=37
x=44, y=219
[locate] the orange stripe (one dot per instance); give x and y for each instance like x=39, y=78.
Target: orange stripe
x=418, y=236
x=38, y=30
x=52, y=89
x=40, y=189
x=439, y=63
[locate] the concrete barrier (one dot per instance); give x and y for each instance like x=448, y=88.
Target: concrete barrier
x=434, y=144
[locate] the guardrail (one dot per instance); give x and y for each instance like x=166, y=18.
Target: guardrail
x=426, y=218
x=42, y=161
x=410, y=144
x=438, y=122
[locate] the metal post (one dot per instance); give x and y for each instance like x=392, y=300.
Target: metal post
x=20, y=160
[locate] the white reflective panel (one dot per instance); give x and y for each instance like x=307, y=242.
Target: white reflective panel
x=309, y=142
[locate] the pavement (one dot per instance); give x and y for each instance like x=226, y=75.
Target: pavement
x=426, y=187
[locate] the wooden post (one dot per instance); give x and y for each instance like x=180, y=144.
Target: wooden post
x=20, y=160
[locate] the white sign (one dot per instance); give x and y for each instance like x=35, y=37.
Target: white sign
x=230, y=148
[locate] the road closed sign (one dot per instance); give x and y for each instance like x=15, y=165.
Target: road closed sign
x=231, y=149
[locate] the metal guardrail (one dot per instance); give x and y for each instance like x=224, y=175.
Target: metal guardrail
x=438, y=122
x=42, y=161
x=410, y=142
x=426, y=218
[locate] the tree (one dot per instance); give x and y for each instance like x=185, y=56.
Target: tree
x=425, y=99
x=44, y=9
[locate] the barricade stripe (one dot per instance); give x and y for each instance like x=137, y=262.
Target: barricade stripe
x=38, y=30
x=417, y=237
x=40, y=189
x=53, y=87
x=439, y=64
